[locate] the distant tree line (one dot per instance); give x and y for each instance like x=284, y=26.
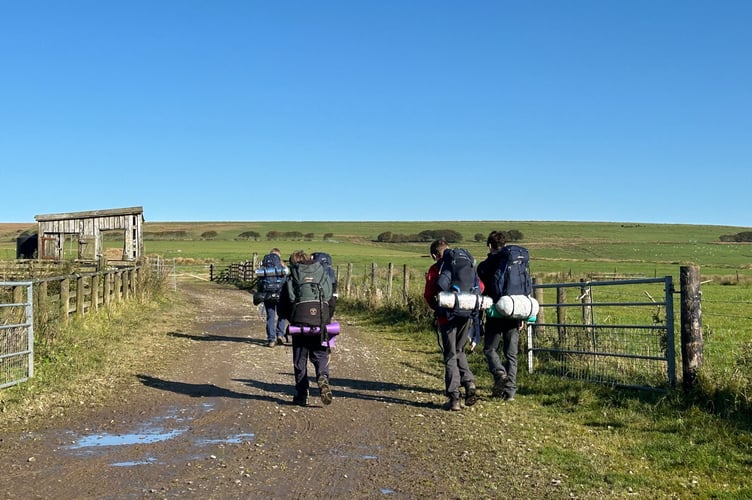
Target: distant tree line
x=449, y=235
x=166, y=235
x=511, y=235
x=743, y=237
x=422, y=237
x=294, y=235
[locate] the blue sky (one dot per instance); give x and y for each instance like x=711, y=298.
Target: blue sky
x=211, y=110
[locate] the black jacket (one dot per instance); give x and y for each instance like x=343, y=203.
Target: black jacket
x=486, y=271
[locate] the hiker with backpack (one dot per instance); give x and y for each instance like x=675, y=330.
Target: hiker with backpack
x=305, y=302
x=504, y=272
x=453, y=269
x=270, y=283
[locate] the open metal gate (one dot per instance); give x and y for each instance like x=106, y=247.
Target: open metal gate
x=16, y=333
x=618, y=332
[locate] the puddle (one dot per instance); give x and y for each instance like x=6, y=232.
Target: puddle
x=236, y=439
x=172, y=424
x=144, y=437
x=146, y=461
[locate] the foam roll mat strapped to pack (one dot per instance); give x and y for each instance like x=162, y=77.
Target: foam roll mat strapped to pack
x=517, y=306
x=272, y=271
x=332, y=329
x=464, y=300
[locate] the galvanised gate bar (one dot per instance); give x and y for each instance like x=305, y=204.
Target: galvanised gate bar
x=618, y=332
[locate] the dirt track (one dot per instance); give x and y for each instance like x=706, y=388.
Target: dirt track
x=221, y=425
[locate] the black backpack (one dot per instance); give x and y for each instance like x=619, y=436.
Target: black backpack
x=512, y=277
x=458, y=265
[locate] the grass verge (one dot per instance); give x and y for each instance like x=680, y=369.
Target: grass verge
x=82, y=361
x=570, y=439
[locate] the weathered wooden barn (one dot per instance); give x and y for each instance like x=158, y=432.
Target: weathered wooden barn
x=85, y=231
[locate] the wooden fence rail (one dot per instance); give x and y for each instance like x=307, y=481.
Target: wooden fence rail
x=371, y=282
x=79, y=294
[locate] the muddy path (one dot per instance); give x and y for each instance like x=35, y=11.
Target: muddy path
x=220, y=424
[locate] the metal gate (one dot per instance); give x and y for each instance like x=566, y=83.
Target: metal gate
x=16, y=333
x=613, y=332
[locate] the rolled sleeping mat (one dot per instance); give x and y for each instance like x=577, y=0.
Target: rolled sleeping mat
x=517, y=306
x=332, y=329
x=272, y=272
x=463, y=300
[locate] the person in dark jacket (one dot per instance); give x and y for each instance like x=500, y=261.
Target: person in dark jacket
x=454, y=333
x=275, y=324
x=305, y=302
x=500, y=333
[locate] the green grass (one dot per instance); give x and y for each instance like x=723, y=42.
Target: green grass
x=598, y=441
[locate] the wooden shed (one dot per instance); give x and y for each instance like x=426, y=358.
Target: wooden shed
x=86, y=230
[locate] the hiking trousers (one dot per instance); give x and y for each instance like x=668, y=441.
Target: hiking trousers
x=504, y=334
x=305, y=348
x=456, y=370
x=275, y=326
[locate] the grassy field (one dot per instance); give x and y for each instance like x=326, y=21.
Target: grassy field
x=556, y=247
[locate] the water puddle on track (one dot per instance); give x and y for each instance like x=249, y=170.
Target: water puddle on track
x=174, y=423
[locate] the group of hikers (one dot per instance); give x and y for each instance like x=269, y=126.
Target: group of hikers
x=300, y=300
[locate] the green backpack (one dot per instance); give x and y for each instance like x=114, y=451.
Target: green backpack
x=310, y=290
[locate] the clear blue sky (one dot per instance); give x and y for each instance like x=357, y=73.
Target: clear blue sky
x=378, y=110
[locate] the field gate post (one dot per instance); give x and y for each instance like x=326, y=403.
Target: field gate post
x=691, y=325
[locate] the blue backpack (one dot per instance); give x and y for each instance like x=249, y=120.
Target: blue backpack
x=512, y=277
x=272, y=283
x=457, y=274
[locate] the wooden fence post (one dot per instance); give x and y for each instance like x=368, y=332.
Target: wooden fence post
x=64, y=299
x=94, y=301
x=107, y=292
x=389, y=273
x=118, y=286
x=405, y=282
x=540, y=318
x=126, y=284
x=348, y=281
x=691, y=325
x=80, y=289
x=41, y=312
x=561, y=312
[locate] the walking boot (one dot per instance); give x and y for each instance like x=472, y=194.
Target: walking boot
x=300, y=398
x=326, y=391
x=453, y=404
x=500, y=380
x=471, y=394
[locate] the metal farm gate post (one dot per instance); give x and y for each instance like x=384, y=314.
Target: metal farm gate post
x=16, y=332
x=610, y=333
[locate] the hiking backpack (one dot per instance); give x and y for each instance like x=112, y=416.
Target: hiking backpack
x=326, y=260
x=271, y=277
x=310, y=291
x=457, y=274
x=512, y=277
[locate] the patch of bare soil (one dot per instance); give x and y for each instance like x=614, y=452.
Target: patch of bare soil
x=220, y=424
